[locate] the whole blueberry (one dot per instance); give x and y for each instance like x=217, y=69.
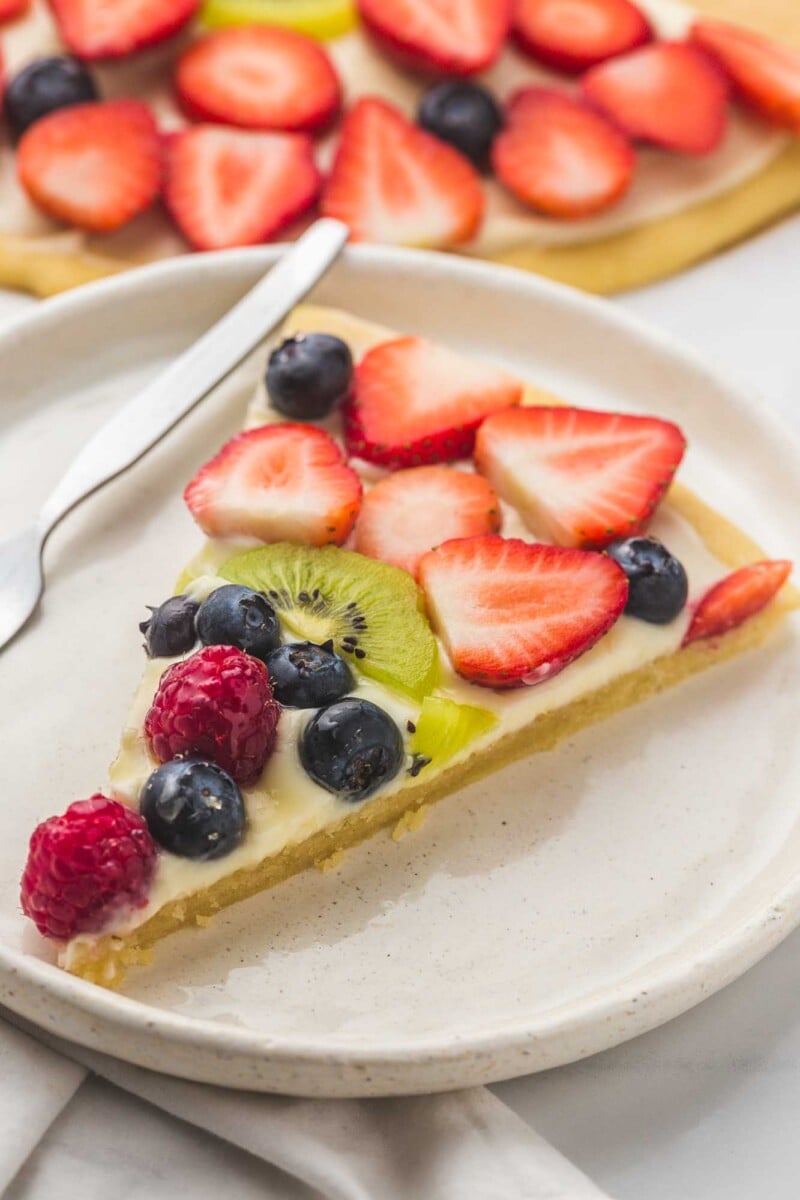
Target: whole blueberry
x=44, y=86
x=170, y=628
x=309, y=375
x=303, y=675
x=464, y=115
x=238, y=616
x=193, y=809
x=657, y=580
x=351, y=748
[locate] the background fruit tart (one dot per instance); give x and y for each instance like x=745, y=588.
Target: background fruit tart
x=601, y=142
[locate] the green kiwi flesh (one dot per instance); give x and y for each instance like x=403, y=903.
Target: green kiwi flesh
x=444, y=728
x=370, y=610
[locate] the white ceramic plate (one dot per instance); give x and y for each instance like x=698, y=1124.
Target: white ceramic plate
x=554, y=910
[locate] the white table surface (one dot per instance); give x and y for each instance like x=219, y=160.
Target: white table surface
x=704, y=1108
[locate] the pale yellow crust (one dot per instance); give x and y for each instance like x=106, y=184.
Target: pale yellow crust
x=45, y=266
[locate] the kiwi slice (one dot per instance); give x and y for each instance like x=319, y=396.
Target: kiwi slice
x=371, y=611
x=444, y=728
x=317, y=18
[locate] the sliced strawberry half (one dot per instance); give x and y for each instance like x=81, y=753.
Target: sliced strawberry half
x=97, y=29
x=409, y=513
x=560, y=156
x=671, y=94
x=416, y=403
x=573, y=35
x=512, y=613
x=225, y=187
x=737, y=597
x=277, y=483
x=93, y=165
x=579, y=477
x=258, y=77
x=458, y=37
x=764, y=74
x=9, y=9
x=393, y=182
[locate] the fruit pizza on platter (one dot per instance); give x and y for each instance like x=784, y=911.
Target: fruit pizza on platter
x=416, y=568
x=601, y=142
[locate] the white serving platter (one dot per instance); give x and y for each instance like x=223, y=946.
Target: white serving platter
x=556, y=909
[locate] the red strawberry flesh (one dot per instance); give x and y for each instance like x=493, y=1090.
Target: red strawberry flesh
x=737, y=597
x=9, y=9
x=96, y=166
x=410, y=512
x=227, y=187
x=278, y=483
x=579, y=477
x=669, y=93
x=765, y=74
x=104, y=29
x=512, y=613
x=560, y=156
x=455, y=37
x=393, y=182
x=573, y=35
x=258, y=77
x=415, y=403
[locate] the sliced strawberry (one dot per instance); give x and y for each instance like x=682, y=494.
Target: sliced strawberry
x=573, y=35
x=277, y=483
x=513, y=613
x=578, y=477
x=409, y=513
x=764, y=74
x=9, y=9
x=415, y=403
x=97, y=29
x=670, y=93
x=258, y=77
x=228, y=188
x=454, y=36
x=93, y=165
x=737, y=597
x=560, y=156
x=393, y=182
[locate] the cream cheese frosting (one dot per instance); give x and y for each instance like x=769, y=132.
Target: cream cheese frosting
x=286, y=806
x=664, y=184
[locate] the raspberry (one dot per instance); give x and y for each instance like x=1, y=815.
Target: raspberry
x=217, y=705
x=82, y=866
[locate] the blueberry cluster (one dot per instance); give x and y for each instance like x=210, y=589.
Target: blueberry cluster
x=193, y=808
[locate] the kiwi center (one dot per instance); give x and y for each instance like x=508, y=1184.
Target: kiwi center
x=316, y=617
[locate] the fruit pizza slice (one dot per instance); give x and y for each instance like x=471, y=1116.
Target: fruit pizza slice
x=417, y=569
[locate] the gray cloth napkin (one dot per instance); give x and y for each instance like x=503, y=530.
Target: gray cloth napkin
x=460, y=1146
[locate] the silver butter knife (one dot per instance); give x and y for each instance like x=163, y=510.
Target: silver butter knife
x=147, y=418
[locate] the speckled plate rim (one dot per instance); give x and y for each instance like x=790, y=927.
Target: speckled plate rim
x=211, y=1052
